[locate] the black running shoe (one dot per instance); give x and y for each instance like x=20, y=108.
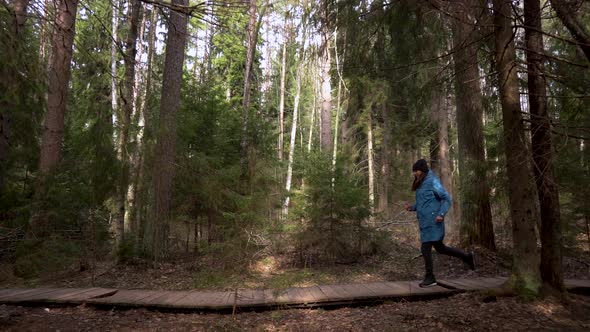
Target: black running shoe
x=429, y=281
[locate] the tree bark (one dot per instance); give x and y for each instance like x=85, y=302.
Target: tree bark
x=383, y=205
x=62, y=41
x=293, y=132
x=371, y=161
x=575, y=26
x=476, y=217
x=542, y=150
x=165, y=151
x=137, y=216
x=282, y=92
x=114, y=48
x=526, y=279
x=326, y=87
x=124, y=119
x=139, y=96
x=244, y=143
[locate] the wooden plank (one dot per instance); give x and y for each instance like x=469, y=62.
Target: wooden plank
x=298, y=295
x=318, y=295
x=6, y=291
x=286, y=296
x=17, y=291
x=169, y=299
x=52, y=295
x=22, y=295
x=201, y=299
x=310, y=296
x=480, y=283
x=125, y=297
x=356, y=291
x=576, y=283
x=402, y=288
x=333, y=293
x=157, y=297
x=247, y=297
x=227, y=299
x=83, y=296
x=460, y=284
x=380, y=289
x=416, y=290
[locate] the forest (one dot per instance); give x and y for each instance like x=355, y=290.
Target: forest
x=272, y=141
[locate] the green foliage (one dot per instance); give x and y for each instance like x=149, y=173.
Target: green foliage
x=53, y=255
x=330, y=218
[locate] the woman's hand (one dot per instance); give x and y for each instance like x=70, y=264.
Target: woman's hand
x=407, y=206
x=439, y=219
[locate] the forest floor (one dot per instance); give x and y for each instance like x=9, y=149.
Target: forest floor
x=463, y=312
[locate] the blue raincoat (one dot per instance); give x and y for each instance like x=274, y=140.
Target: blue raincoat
x=432, y=200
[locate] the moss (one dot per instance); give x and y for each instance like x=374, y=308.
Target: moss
x=526, y=286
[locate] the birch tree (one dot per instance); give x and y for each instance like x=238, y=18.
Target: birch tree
x=282, y=88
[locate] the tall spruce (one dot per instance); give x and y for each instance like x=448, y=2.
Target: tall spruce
x=10, y=83
x=476, y=216
x=547, y=189
x=526, y=278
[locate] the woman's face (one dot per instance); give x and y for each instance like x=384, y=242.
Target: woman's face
x=418, y=173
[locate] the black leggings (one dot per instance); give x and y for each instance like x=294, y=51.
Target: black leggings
x=441, y=249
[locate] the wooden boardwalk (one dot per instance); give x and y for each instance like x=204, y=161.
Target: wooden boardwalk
x=313, y=296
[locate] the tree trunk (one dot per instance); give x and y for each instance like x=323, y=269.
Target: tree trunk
x=114, y=47
x=282, y=91
x=386, y=147
x=137, y=216
x=440, y=147
x=575, y=26
x=293, y=131
x=526, y=279
x=326, y=87
x=165, y=151
x=542, y=150
x=62, y=41
x=476, y=217
x=20, y=16
x=371, y=161
x=124, y=119
x=138, y=118
x=244, y=143
x=47, y=7
x=444, y=159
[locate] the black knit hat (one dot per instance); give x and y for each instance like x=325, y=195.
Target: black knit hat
x=420, y=165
